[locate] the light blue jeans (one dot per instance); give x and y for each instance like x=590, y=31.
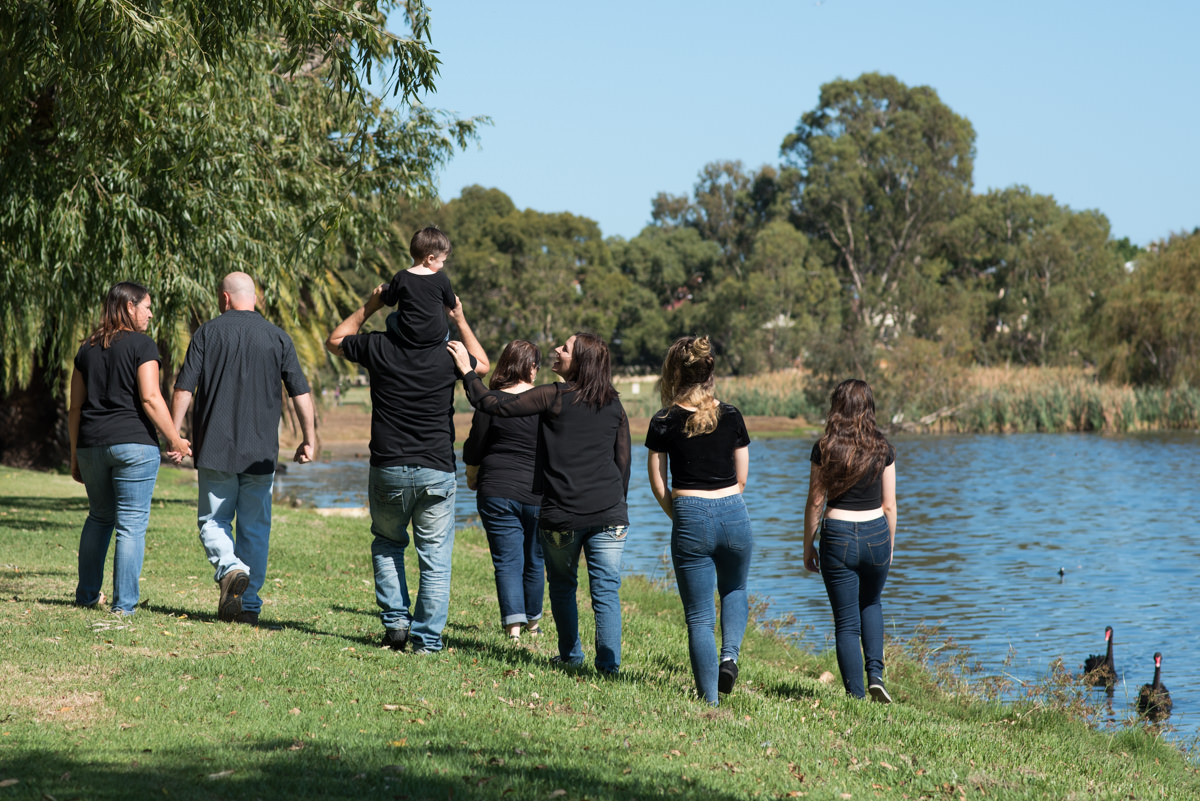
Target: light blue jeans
x=601, y=547
x=224, y=496
x=711, y=544
x=423, y=497
x=120, y=482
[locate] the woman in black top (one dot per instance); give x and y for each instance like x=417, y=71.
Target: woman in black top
x=583, y=474
x=116, y=405
x=853, y=479
x=705, y=445
x=500, y=453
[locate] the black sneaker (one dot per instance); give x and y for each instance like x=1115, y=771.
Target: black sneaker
x=879, y=693
x=727, y=676
x=395, y=639
x=232, y=584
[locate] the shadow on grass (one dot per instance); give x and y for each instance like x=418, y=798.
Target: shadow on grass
x=296, y=769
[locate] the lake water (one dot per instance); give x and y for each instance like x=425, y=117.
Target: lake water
x=985, y=524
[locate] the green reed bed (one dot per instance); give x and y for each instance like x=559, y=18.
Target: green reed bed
x=173, y=704
x=1079, y=406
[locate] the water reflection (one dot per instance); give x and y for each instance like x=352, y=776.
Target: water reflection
x=985, y=525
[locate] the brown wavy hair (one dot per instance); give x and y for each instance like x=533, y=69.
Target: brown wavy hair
x=517, y=362
x=688, y=380
x=853, y=446
x=591, y=371
x=115, y=317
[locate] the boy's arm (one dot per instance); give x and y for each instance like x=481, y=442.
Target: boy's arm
x=467, y=337
x=352, y=324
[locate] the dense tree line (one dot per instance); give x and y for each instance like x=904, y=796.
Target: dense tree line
x=170, y=147
x=865, y=251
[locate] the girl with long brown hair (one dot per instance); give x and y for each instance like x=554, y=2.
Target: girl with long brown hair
x=852, y=505
x=705, y=445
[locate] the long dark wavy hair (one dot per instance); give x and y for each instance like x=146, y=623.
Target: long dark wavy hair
x=852, y=447
x=115, y=317
x=591, y=371
x=517, y=362
x=688, y=380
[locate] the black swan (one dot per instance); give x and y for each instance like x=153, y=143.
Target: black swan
x=1099, y=671
x=1154, y=701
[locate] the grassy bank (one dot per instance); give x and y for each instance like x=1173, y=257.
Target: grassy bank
x=174, y=704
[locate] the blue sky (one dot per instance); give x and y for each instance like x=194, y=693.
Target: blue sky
x=597, y=107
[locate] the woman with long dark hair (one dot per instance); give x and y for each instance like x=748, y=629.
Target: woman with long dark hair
x=705, y=445
x=500, y=454
x=583, y=473
x=116, y=405
x=852, y=504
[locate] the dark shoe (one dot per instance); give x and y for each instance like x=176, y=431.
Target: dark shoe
x=395, y=639
x=232, y=584
x=727, y=676
x=879, y=693
x=246, y=618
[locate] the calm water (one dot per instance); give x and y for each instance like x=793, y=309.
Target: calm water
x=985, y=524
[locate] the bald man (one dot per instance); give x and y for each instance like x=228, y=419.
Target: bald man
x=234, y=366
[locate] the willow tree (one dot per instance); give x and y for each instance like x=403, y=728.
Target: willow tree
x=170, y=142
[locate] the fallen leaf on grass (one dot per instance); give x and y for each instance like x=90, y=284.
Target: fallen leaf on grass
x=223, y=774
x=558, y=793
x=9, y=782
x=294, y=710
x=825, y=678
x=390, y=707
x=886, y=765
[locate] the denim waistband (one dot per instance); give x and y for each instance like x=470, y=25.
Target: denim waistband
x=694, y=500
x=853, y=528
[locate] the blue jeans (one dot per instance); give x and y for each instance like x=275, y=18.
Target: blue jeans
x=601, y=547
x=711, y=543
x=248, y=497
x=854, y=564
x=511, y=528
x=120, y=482
x=424, y=497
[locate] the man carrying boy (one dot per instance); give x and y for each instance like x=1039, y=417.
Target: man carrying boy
x=412, y=477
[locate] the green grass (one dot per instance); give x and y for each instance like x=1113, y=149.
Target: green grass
x=176, y=705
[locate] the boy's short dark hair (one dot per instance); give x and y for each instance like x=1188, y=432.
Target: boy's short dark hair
x=428, y=242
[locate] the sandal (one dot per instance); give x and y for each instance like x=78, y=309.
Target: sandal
x=533, y=629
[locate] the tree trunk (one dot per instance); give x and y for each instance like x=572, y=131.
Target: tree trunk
x=33, y=424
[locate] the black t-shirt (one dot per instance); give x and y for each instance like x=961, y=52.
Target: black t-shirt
x=412, y=400
x=867, y=494
x=112, y=412
x=583, y=461
x=421, y=302
x=703, y=462
x=234, y=365
x=505, y=448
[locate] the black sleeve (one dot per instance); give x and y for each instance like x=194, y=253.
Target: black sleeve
x=535, y=401
x=621, y=450
x=474, y=447
x=656, y=432
x=447, y=292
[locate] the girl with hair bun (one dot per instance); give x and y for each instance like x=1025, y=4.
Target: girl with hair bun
x=704, y=445
x=852, y=504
